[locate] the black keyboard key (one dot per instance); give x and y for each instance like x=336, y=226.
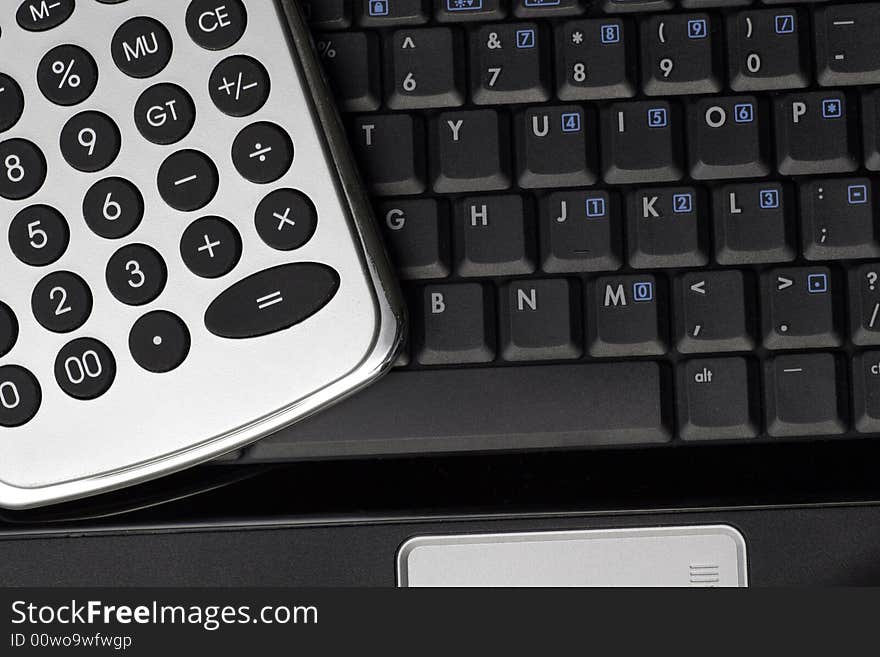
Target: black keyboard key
x=113, y=208
x=20, y=396
x=272, y=300
x=470, y=151
x=188, y=180
x=626, y=316
x=56, y=81
x=136, y=274
x=540, y=320
x=871, y=128
x=706, y=4
x=680, y=55
x=8, y=329
x=575, y=404
x=327, y=14
x=580, y=231
x=714, y=312
x=866, y=391
x=815, y=134
x=541, y=8
x=595, y=59
x=717, y=399
x=636, y=5
x=85, y=369
x=802, y=396
x=494, y=236
x=845, y=51
x=353, y=63
x=61, y=302
x=455, y=11
x=159, y=342
x=424, y=68
x=141, y=47
x=509, y=64
x=667, y=227
x=390, y=149
x=642, y=142
x=456, y=325
x=39, y=235
x=382, y=13
x=11, y=102
x=767, y=50
x=556, y=147
x=799, y=308
x=754, y=223
x=837, y=219
x=22, y=169
x=864, y=304
x=417, y=234
x=729, y=138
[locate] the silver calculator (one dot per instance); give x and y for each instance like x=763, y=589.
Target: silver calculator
x=188, y=261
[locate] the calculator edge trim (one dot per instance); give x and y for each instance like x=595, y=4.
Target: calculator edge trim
x=387, y=300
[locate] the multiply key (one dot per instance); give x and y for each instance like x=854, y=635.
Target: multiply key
x=800, y=308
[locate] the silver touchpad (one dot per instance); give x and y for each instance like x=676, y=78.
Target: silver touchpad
x=710, y=555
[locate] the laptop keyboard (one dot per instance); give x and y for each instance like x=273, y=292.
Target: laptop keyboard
x=655, y=218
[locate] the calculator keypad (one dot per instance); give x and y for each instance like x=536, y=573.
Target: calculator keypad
x=179, y=245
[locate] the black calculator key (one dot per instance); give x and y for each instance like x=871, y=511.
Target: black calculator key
x=141, y=47
x=90, y=141
x=11, y=102
x=136, y=274
x=239, y=86
x=210, y=247
x=67, y=75
x=113, y=208
x=20, y=396
x=262, y=152
x=272, y=300
x=216, y=24
x=41, y=15
x=159, y=342
x=188, y=180
x=22, y=169
x=164, y=114
x=8, y=329
x=286, y=219
x=62, y=302
x=39, y=235
x=85, y=368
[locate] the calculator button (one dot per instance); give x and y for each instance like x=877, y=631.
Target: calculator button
x=39, y=235
x=90, y=141
x=141, y=47
x=286, y=219
x=262, y=152
x=113, y=208
x=164, y=114
x=159, y=342
x=22, y=169
x=216, y=24
x=20, y=396
x=136, y=274
x=239, y=86
x=11, y=102
x=67, y=75
x=8, y=329
x=85, y=368
x=188, y=180
x=210, y=247
x=39, y=15
x=272, y=300
x=62, y=302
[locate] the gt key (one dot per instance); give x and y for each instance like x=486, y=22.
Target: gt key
x=798, y=307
